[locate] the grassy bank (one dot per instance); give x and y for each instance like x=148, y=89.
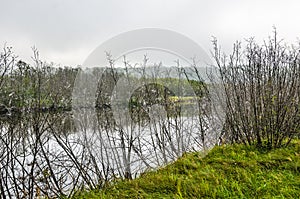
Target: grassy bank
x=233, y=171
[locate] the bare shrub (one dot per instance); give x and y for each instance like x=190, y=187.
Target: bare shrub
x=262, y=87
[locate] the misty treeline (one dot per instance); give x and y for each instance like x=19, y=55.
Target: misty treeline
x=36, y=87
x=56, y=153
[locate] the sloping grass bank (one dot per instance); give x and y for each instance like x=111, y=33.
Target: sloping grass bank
x=232, y=171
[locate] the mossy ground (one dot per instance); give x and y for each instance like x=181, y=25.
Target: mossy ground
x=232, y=171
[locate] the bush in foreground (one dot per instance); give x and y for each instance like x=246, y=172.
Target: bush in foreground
x=262, y=92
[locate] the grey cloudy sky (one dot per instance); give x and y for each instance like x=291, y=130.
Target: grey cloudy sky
x=67, y=31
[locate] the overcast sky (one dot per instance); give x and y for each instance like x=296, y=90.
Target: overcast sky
x=67, y=31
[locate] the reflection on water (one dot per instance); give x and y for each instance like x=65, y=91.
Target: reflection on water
x=54, y=154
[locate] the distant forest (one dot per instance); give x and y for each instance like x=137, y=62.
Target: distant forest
x=46, y=87
x=23, y=86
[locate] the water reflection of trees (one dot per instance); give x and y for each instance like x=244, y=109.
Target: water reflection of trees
x=48, y=151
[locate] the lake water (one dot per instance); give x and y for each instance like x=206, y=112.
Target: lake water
x=56, y=153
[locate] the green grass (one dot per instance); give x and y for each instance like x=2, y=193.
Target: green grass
x=232, y=171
